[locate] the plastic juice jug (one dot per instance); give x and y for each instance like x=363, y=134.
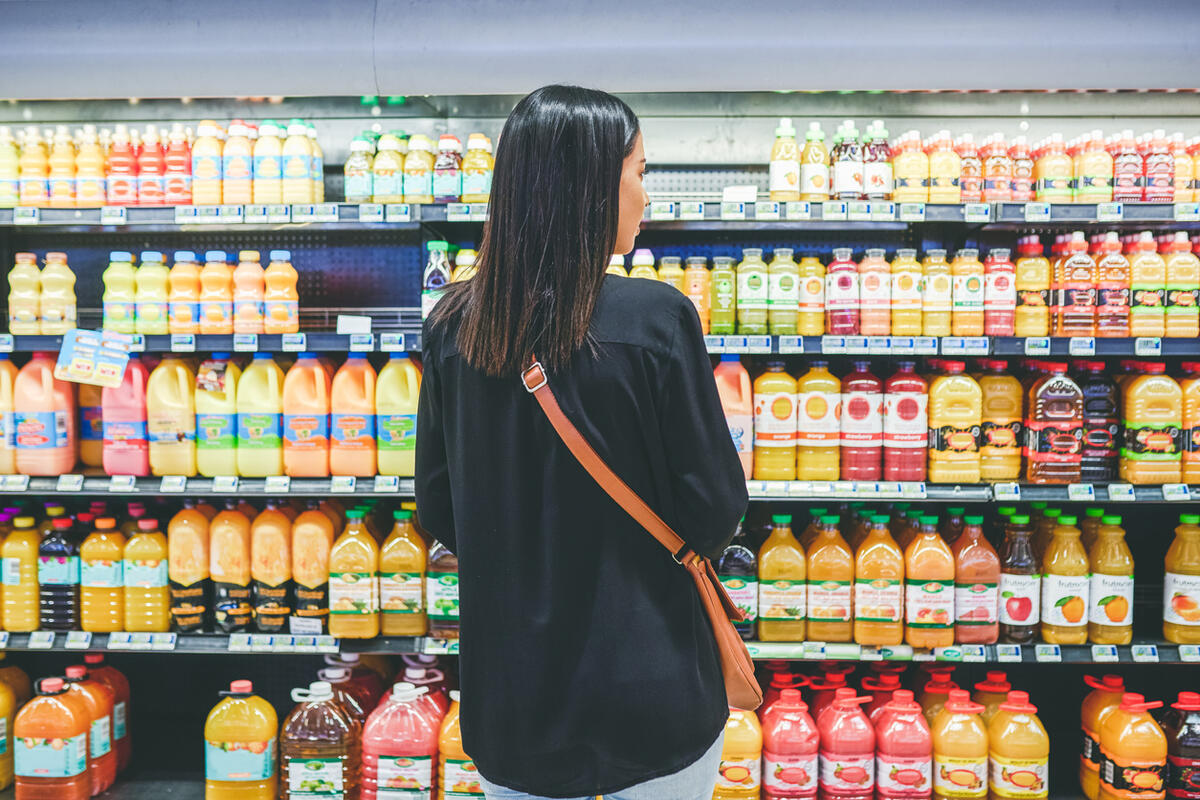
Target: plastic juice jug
x=1181, y=724
x=21, y=588
x=354, y=582
x=955, y=400
x=1152, y=407
x=477, y=168
x=1018, y=750
x=780, y=680
x=229, y=566
x=24, y=295
x=967, y=294
x=1184, y=169
x=842, y=301
x=207, y=165
x=116, y=682
x=847, y=754
x=102, y=579
x=1134, y=749
x=906, y=294
x=791, y=744
x=960, y=749
x=187, y=568
x=418, y=170
x=818, y=430
x=1000, y=438
x=737, y=401
x=267, y=181
x=216, y=416
x=281, y=303
x=1033, y=289
x=240, y=746
x=740, y=774
x=306, y=390
x=1110, y=615
x=1097, y=706
x=352, y=697
x=44, y=771
x=147, y=597
x=352, y=447
x=183, y=294
x=999, y=294
x=216, y=294
x=98, y=700
x=456, y=771
x=399, y=744
x=875, y=290
x=784, y=182
x=991, y=693
x=878, y=587
x=120, y=293
x=1101, y=422
x=830, y=572
x=775, y=425
x=929, y=589
x=248, y=288
x=783, y=292
x=312, y=539
x=297, y=164
x=937, y=294
x=34, y=170
x=737, y=569
x=126, y=451
x=782, y=590
x=976, y=582
x=1020, y=583
x=723, y=316
x=320, y=746
x=1054, y=428
x=396, y=395
x=1065, y=586
x=753, y=292
x=814, y=165
x=260, y=411
x=57, y=305
x=882, y=687
x=171, y=418
x=8, y=439
x=1183, y=288
x=904, y=750
x=1148, y=293
x=1181, y=583
x=402, y=580
x=862, y=425
x=44, y=419
x=905, y=424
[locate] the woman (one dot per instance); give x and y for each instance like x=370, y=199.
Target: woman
x=588, y=666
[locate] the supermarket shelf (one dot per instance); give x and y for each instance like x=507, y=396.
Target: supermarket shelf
x=954, y=346
x=1141, y=652
x=224, y=217
x=406, y=339
x=1112, y=213
x=147, y=786
x=229, y=486
x=883, y=492
x=216, y=643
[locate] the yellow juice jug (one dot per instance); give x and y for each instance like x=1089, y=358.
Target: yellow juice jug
x=782, y=589
x=240, y=747
x=945, y=171
x=24, y=296
x=960, y=749
x=57, y=308
x=1097, y=705
x=20, y=567
x=1065, y=586
x=1181, y=583
x=955, y=402
x=268, y=164
x=147, y=598
x=354, y=582
x=830, y=573
x=1153, y=416
x=260, y=414
x=967, y=294
x=61, y=163
x=739, y=776
x=1110, y=614
x=1134, y=748
x=1183, y=288
x=10, y=170
x=1018, y=750
x=150, y=315
x=297, y=164
x=879, y=587
x=8, y=439
x=906, y=293
x=396, y=393
x=911, y=166
x=937, y=294
x=774, y=425
x=1147, y=288
x=171, y=418
x=818, y=424
x=1000, y=437
x=216, y=416
x=402, y=580
x=102, y=578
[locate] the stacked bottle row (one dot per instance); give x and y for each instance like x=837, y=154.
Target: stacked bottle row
x=268, y=162
x=1136, y=286
x=1049, y=423
x=1091, y=168
x=223, y=415
x=393, y=167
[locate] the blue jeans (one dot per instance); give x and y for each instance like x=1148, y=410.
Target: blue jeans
x=693, y=782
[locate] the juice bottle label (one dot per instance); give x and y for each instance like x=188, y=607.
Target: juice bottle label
x=1181, y=598
x=878, y=600
x=1090, y=752
x=783, y=290
x=1129, y=777
x=312, y=606
x=752, y=289
x=1127, y=176
x=905, y=420
x=259, y=431
x=959, y=777
x=743, y=591
x=206, y=167
x=862, y=419
x=216, y=431
x=50, y=758
x=116, y=312
x=11, y=568
x=40, y=430
x=848, y=177
x=968, y=292
x=8, y=432
x=1020, y=598
x=1033, y=298
x=418, y=183
x=100, y=737
x=1064, y=600
x=414, y=773
x=847, y=773
x=284, y=313
x=1018, y=777
x=784, y=176
x=441, y=595
x=817, y=419
x=317, y=778
x=353, y=593
x=477, y=182
x=1002, y=438
x=1148, y=298
x=975, y=603
x=739, y=425
x=938, y=294
x=231, y=605
x=91, y=423
x=267, y=167
x=1182, y=301
x=460, y=778
x=906, y=290
x=741, y=774
x=447, y=183
x=101, y=574
x=814, y=178
x=877, y=177
x=1159, y=183
x=793, y=775
x=239, y=761
x=1053, y=442
x=115, y=432
x=841, y=290
x=1183, y=777
x=724, y=292
x=999, y=291
x=58, y=570
x=1100, y=438
x=875, y=290
x=181, y=312
x=216, y=311
x=295, y=165
x=119, y=730
x=244, y=310
x=1151, y=442
x=401, y=592
x=782, y=599
x=954, y=438
x=830, y=601
x=305, y=431
x=188, y=608
x=812, y=294
x=359, y=184
x=353, y=431
x=397, y=432
x=899, y=776
x=1111, y=599
x=145, y=574
x=929, y=604
x=775, y=420
x=271, y=607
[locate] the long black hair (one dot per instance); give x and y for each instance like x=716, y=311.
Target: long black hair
x=551, y=230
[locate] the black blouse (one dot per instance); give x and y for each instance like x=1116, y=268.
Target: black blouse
x=587, y=663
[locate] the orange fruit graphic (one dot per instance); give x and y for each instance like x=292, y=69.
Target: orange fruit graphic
x=816, y=407
x=1072, y=610
x=781, y=408
x=1116, y=609
x=1186, y=607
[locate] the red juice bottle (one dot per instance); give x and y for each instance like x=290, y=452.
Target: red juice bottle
x=121, y=170
x=841, y=294
x=790, y=746
x=847, y=756
x=904, y=750
x=881, y=687
x=151, y=166
x=905, y=424
x=1020, y=583
x=177, y=169
x=862, y=424
x=999, y=293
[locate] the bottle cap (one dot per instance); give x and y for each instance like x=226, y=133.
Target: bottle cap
x=902, y=698
x=1188, y=701
x=884, y=682
x=1019, y=701
x=241, y=687
x=781, y=519
x=1094, y=512
x=93, y=658
x=248, y=255
x=105, y=523
x=62, y=524
x=402, y=514
x=184, y=255
x=147, y=524
x=1186, y=519
x=830, y=519
x=120, y=255
x=1110, y=519
x=973, y=519
x=147, y=255
x=928, y=519
x=23, y=522
x=1131, y=701
x=958, y=701
x=76, y=672
x=1066, y=519
x=1108, y=683
x=50, y=686
x=215, y=255
x=997, y=681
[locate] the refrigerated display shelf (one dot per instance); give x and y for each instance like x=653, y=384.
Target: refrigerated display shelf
x=954, y=346
x=399, y=340
x=226, y=486
x=148, y=786
x=1140, y=652
x=216, y=643
x=890, y=491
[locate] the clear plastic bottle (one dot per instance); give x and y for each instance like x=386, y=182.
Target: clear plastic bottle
x=1054, y=428
x=441, y=591
x=1065, y=586
x=783, y=296
x=737, y=569
x=1110, y=610
x=1181, y=583
x=58, y=577
x=842, y=302
x=320, y=747
x=753, y=293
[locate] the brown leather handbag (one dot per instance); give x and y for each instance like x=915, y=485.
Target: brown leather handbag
x=741, y=687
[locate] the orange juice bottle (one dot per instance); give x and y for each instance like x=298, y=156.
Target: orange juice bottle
x=229, y=566
x=1134, y=749
x=354, y=582
x=991, y=693
x=929, y=589
x=102, y=582
x=1097, y=705
x=937, y=294
x=737, y=401
x=906, y=293
x=1033, y=289
x=1153, y=414
x=1181, y=583
x=697, y=285
x=457, y=774
x=774, y=425
x=810, y=321
x=1110, y=618
x=216, y=294
x=21, y=588
x=911, y=166
x=402, y=580
x=1147, y=285
x=955, y=400
x=248, y=293
x=187, y=568
x=740, y=774
x=1018, y=750
x=814, y=165
x=967, y=294
x=1053, y=171
x=830, y=573
x=784, y=183
x=1000, y=434
x=818, y=424
x=879, y=587
x=960, y=749
x=240, y=753
x=50, y=736
x=945, y=171
x=1065, y=585
x=1184, y=169
x=1076, y=277
x=782, y=590
x=271, y=569
x=1183, y=288
x=281, y=303
x=183, y=294
x=976, y=582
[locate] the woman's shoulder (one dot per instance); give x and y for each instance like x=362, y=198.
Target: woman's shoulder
x=640, y=311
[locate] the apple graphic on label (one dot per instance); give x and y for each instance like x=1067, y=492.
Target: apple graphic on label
x=1019, y=608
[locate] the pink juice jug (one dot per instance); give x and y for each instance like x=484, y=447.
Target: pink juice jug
x=434, y=681
x=352, y=445
x=790, y=746
x=400, y=745
x=904, y=754
x=737, y=401
x=847, y=755
x=44, y=419
x=126, y=450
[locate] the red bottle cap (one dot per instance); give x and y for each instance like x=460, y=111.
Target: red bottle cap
x=832, y=680
x=844, y=694
x=1093, y=366
x=886, y=682
x=76, y=672
x=996, y=682
x=1131, y=701
x=940, y=684
x=50, y=686
x=1152, y=367
x=781, y=680
x=93, y=658
x=1057, y=367
x=778, y=665
x=959, y=702
x=1188, y=701
x=1109, y=683
x=1190, y=366
x=62, y=523
x=241, y=687
x=934, y=670
x=1019, y=701
x=147, y=524
x=954, y=367
x=993, y=363
x=791, y=698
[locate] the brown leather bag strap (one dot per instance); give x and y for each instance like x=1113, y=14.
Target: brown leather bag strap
x=536, y=383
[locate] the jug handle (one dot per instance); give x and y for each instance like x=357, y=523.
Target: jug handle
x=322, y=387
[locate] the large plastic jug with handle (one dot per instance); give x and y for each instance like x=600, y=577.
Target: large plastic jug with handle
x=115, y=680
x=51, y=745
x=400, y=744
x=396, y=394
x=216, y=416
x=44, y=419
x=126, y=451
x=98, y=699
x=8, y=438
x=187, y=568
x=306, y=391
x=260, y=412
x=171, y=418
x=737, y=401
x=240, y=746
x=352, y=448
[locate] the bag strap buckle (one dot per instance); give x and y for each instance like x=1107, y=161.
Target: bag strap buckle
x=534, y=377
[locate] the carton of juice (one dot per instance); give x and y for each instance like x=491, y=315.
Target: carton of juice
x=240, y=746
x=818, y=428
x=955, y=420
x=782, y=590
x=774, y=425
x=1181, y=583
x=1152, y=408
x=879, y=587
x=831, y=570
x=929, y=589
x=1065, y=586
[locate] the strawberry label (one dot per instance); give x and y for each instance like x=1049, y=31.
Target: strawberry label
x=896, y=776
x=975, y=603
x=792, y=775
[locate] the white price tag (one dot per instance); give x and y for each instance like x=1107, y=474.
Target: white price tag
x=883, y=211
x=185, y=214
x=183, y=343
x=277, y=484
x=1176, y=492
x=856, y=345
x=1147, y=346
x=239, y=642
x=458, y=212
x=479, y=212
x=1008, y=653
x=758, y=345
x=913, y=490
x=245, y=342
x=901, y=345
x=118, y=641
x=714, y=344
x=977, y=212
x=1120, y=493
x=733, y=211
x=1104, y=654
x=294, y=342
x=896, y=652
x=256, y=214
x=328, y=644
x=279, y=214
x=1110, y=212
x=41, y=640
x=799, y=211
x=662, y=212
x=925, y=345
x=305, y=644
x=1047, y=653
x=1081, y=493
x=736, y=344
x=6, y=343
x=1006, y=491
x=1037, y=346
x=78, y=640
x=69, y=483
x=342, y=484
x=370, y=212
x=397, y=212
x=1037, y=212
x=26, y=215
x=868, y=652
x=362, y=342
x=14, y=483
x=325, y=212
x=858, y=211
x=947, y=654
x=173, y=484
x=207, y=215
x=1081, y=346
x=260, y=643
x=137, y=343
x=114, y=215
x=879, y=345
x=1187, y=212
x=225, y=484
x=767, y=211
x=833, y=211
x=691, y=210
x=790, y=345
x=122, y=484
x=973, y=653
x=391, y=342
x=1145, y=653
x=832, y=345
x=387, y=484
x=231, y=214
x=1189, y=652
x=912, y=212
x=775, y=488
x=889, y=489
x=283, y=644
x=799, y=488
x=821, y=488
x=976, y=345
x=163, y=641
